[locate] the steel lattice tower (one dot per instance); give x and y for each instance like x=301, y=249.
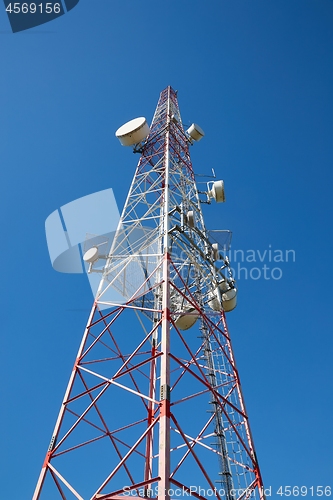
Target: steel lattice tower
x=154, y=406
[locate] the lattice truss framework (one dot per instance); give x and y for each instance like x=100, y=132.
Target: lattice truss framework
x=152, y=410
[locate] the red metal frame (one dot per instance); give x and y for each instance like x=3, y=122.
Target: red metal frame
x=134, y=418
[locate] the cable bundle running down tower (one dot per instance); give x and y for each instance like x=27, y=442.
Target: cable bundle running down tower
x=154, y=407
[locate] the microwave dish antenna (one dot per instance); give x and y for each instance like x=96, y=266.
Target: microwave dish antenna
x=133, y=132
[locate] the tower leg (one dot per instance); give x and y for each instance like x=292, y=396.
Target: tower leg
x=164, y=435
x=57, y=426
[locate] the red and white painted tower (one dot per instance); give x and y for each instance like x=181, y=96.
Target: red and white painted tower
x=154, y=406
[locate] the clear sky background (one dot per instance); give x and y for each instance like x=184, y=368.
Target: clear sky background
x=257, y=76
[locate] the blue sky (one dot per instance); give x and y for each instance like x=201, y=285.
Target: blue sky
x=257, y=75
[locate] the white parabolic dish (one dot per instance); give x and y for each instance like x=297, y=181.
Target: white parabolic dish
x=195, y=132
x=133, y=132
x=91, y=255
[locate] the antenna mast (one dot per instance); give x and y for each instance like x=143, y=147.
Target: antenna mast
x=154, y=407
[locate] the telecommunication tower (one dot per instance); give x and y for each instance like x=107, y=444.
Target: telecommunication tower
x=154, y=406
